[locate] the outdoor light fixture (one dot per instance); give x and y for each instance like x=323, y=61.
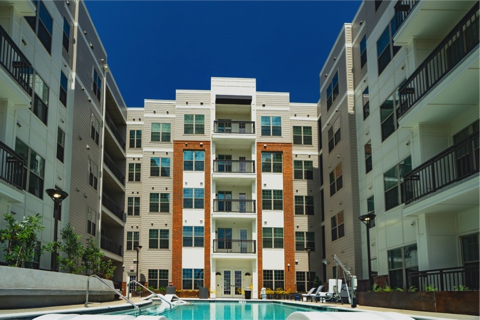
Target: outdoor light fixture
x=308, y=250
x=57, y=196
x=367, y=220
x=137, y=248
x=247, y=274
x=218, y=274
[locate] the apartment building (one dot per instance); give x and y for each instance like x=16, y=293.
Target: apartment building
x=221, y=191
x=62, y=123
x=415, y=80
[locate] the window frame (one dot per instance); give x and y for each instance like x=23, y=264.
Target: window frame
x=60, y=145
x=160, y=241
x=304, y=207
x=302, y=138
x=63, y=89
x=134, y=171
x=93, y=174
x=334, y=135
x=195, y=281
x=196, y=127
x=41, y=97
x=94, y=129
x=337, y=224
x=363, y=51
x=91, y=227
x=332, y=91
x=197, y=202
x=96, y=84
x=366, y=103
x=274, y=279
x=159, y=167
x=197, y=164
x=274, y=200
x=336, y=179
x=273, y=130
x=34, y=170
x=389, y=48
x=272, y=164
x=135, y=139
x=303, y=239
x=193, y=237
x=404, y=269
x=160, y=205
x=368, y=156
x=132, y=240
x=305, y=172
x=399, y=185
x=159, y=277
x=43, y=29
x=162, y=135
x=133, y=206
x=66, y=35
x=272, y=239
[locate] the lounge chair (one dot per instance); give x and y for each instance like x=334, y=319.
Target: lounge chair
x=306, y=295
x=333, y=284
x=316, y=294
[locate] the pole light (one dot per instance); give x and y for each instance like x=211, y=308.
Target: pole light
x=367, y=220
x=138, y=248
x=308, y=250
x=57, y=196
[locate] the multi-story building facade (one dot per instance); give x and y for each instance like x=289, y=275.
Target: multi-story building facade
x=416, y=107
x=221, y=191
x=62, y=123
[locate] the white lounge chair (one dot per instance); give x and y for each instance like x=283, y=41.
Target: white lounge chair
x=306, y=295
x=316, y=294
x=333, y=284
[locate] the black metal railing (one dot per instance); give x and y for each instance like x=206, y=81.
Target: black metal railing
x=448, y=279
x=14, y=62
x=234, y=166
x=113, y=167
x=234, y=246
x=111, y=246
x=234, y=205
x=223, y=126
x=113, y=207
x=453, y=164
x=115, y=131
x=403, y=9
x=11, y=167
x=456, y=46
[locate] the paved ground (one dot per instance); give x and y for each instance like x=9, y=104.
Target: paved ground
x=18, y=313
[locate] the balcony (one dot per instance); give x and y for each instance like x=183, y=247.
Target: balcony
x=234, y=166
x=113, y=167
x=113, y=207
x=234, y=246
x=452, y=165
x=15, y=83
x=111, y=246
x=115, y=131
x=235, y=127
x=458, y=44
x=234, y=205
x=448, y=279
x=11, y=167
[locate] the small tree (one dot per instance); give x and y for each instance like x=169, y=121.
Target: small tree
x=21, y=239
x=72, y=250
x=94, y=262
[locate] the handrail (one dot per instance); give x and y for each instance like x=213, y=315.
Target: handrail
x=113, y=289
x=141, y=285
x=12, y=166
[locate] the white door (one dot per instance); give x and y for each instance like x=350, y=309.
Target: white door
x=243, y=237
x=232, y=283
x=243, y=204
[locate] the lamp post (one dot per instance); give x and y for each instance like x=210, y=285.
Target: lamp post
x=367, y=220
x=138, y=248
x=57, y=196
x=308, y=250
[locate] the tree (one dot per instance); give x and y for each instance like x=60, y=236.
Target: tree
x=21, y=239
x=72, y=250
x=94, y=262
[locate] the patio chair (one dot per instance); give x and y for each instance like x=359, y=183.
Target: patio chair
x=306, y=295
x=316, y=294
x=332, y=290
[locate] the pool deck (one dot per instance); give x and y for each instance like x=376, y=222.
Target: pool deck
x=31, y=312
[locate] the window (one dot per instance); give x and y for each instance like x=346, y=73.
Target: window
x=63, y=89
x=363, y=51
x=192, y=279
x=393, y=183
x=134, y=171
x=193, y=160
x=159, y=202
x=40, y=101
x=334, y=135
x=272, y=161
x=42, y=27
x=133, y=206
x=135, y=138
x=388, y=118
x=96, y=84
x=272, y=203
x=157, y=278
x=273, y=279
x=271, y=126
x=158, y=239
x=66, y=34
x=303, y=169
x=94, y=129
x=194, y=124
x=401, y=262
x=160, y=132
x=304, y=240
x=366, y=103
x=91, y=222
x=34, y=168
x=193, y=237
x=133, y=240
x=302, y=135
x=93, y=174
x=338, y=229
x=368, y=157
x=60, y=144
x=470, y=252
x=336, y=182
x=304, y=205
x=193, y=198
x=272, y=238
x=304, y=280
x=385, y=48
x=160, y=167
x=371, y=209
x=332, y=91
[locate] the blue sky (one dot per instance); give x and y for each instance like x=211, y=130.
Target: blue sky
x=156, y=47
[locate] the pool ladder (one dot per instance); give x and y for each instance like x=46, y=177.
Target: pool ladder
x=111, y=288
x=141, y=285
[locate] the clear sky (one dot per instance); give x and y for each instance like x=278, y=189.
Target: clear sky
x=156, y=47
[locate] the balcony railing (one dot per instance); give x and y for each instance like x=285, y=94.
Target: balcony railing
x=113, y=167
x=111, y=246
x=14, y=62
x=234, y=246
x=113, y=207
x=116, y=133
x=234, y=205
x=448, y=279
x=453, y=164
x=11, y=167
x=403, y=9
x=234, y=166
x=242, y=127
x=456, y=46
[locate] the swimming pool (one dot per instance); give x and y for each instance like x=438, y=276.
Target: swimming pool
x=221, y=310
